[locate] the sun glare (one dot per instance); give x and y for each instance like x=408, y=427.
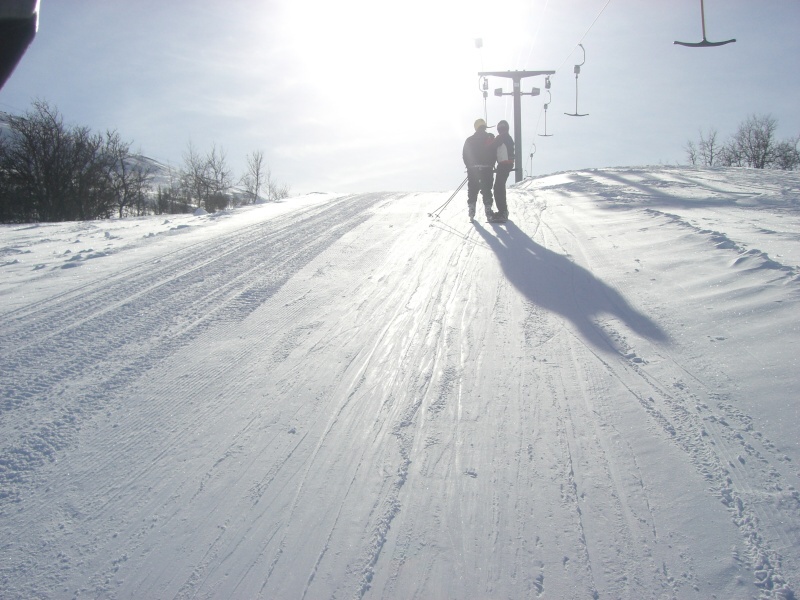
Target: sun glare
x=397, y=59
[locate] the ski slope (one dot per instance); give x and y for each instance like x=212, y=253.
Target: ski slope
x=339, y=396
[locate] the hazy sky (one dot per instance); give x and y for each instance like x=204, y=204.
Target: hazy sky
x=359, y=95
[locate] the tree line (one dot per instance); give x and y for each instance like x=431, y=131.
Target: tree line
x=52, y=172
x=754, y=145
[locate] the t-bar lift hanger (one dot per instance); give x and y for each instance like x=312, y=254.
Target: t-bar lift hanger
x=705, y=43
x=546, y=105
x=577, y=72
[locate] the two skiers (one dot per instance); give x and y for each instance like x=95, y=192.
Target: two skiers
x=481, y=151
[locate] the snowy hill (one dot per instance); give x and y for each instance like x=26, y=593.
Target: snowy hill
x=340, y=396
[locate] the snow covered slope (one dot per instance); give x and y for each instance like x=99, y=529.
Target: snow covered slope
x=341, y=397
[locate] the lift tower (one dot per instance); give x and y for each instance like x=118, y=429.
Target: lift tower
x=517, y=77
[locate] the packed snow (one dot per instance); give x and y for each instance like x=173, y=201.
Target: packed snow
x=342, y=396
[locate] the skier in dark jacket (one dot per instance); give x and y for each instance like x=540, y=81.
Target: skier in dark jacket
x=504, y=145
x=479, y=157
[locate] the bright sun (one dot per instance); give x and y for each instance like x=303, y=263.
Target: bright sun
x=397, y=58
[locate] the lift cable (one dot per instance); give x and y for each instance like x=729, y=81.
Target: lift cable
x=602, y=10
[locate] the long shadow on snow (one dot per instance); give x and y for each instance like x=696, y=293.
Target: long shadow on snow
x=557, y=284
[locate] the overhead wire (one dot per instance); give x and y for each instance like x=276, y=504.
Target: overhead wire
x=580, y=41
x=538, y=28
x=566, y=58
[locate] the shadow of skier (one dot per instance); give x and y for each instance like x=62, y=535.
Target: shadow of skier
x=557, y=284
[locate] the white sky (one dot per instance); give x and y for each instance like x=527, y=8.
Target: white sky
x=359, y=95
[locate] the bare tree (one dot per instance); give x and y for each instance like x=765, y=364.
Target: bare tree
x=207, y=179
x=89, y=191
x=193, y=175
x=258, y=179
x=731, y=156
x=278, y=191
x=787, y=156
x=691, y=153
x=253, y=180
x=172, y=198
x=55, y=173
x=34, y=163
x=118, y=152
x=709, y=148
x=219, y=179
x=130, y=178
x=753, y=145
x=49, y=172
x=755, y=141
x=707, y=152
x=142, y=186
x=8, y=198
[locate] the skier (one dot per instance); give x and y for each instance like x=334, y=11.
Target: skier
x=479, y=158
x=505, y=164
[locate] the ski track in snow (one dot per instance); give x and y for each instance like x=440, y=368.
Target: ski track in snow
x=357, y=401
x=95, y=339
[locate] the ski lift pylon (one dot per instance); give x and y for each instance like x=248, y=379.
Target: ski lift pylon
x=578, y=72
x=704, y=43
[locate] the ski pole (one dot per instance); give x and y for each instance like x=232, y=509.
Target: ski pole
x=435, y=213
